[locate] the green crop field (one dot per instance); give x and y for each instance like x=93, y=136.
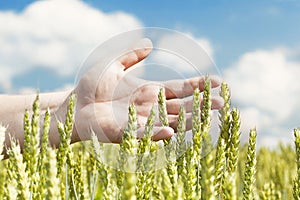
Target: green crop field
x=178, y=168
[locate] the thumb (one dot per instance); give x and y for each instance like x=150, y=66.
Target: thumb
x=140, y=51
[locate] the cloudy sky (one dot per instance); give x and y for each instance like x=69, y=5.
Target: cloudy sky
x=255, y=44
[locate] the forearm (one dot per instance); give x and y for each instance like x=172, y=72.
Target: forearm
x=12, y=113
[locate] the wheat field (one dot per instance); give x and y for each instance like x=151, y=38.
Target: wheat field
x=177, y=168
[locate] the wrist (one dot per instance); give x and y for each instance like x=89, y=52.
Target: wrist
x=62, y=112
x=58, y=109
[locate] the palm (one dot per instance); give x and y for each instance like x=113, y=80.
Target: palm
x=103, y=102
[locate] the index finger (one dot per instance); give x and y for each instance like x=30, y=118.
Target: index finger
x=184, y=88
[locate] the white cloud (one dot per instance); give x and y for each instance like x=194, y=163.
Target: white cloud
x=178, y=50
x=265, y=84
x=55, y=34
x=27, y=90
x=273, y=141
x=31, y=90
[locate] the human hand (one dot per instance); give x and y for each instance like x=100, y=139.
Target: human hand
x=103, y=97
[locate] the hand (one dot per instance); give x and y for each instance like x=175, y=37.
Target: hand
x=103, y=97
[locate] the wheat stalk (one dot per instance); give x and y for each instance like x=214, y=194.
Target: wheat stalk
x=19, y=169
x=296, y=183
x=126, y=178
x=162, y=109
x=2, y=140
x=250, y=167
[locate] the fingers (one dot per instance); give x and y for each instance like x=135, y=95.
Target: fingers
x=140, y=51
x=173, y=121
x=173, y=105
x=185, y=88
x=216, y=103
x=159, y=132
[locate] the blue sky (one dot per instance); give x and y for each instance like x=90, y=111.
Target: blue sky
x=234, y=27
x=256, y=44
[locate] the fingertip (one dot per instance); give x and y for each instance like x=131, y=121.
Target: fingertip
x=161, y=133
x=140, y=132
x=145, y=43
x=217, y=102
x=215, y=80
x=143, y=48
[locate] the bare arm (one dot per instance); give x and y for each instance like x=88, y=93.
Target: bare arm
x=12, y=113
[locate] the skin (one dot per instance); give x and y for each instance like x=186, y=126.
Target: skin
x=103, y=96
